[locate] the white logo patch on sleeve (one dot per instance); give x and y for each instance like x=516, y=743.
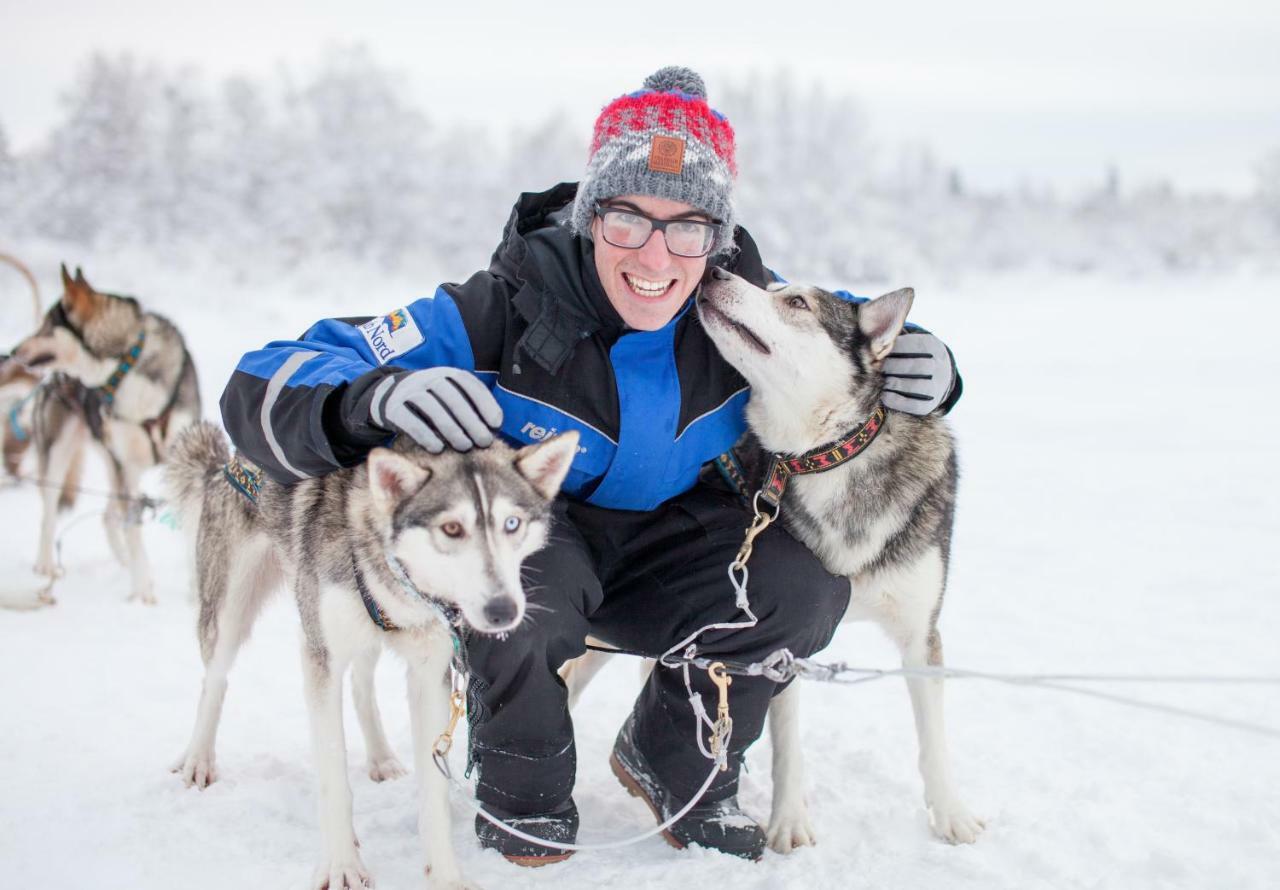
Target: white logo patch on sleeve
x=392, y=335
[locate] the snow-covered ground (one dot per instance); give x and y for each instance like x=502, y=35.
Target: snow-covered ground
x=1119, y=512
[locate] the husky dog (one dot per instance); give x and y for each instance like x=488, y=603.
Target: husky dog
x=123, y=380
x=374, y=554
x=883, y=519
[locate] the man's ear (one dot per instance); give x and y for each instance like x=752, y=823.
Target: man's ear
x=881, y=321
x=392, y=478
x=546, y=464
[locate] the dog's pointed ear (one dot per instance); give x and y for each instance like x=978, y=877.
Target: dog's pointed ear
x=392, y=478
x=881, y=321
x=546, y=464
x=79, y=298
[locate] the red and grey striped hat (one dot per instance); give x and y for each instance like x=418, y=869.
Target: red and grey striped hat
x=664, y=141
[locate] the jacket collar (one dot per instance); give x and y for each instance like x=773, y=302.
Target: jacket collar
x=553, y=272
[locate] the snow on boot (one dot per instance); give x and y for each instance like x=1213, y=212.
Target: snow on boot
x=560, y=825
x=720, y=825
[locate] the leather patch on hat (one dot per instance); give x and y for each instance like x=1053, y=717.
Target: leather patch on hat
x=666, y=155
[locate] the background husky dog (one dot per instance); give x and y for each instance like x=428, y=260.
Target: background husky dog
x=123, y=379
x=884, y=519
x=459, y=524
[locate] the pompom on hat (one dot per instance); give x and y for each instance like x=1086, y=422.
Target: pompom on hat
x=664, y=141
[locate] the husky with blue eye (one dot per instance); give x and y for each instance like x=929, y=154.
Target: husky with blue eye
x=387, y=553
x=883, y=518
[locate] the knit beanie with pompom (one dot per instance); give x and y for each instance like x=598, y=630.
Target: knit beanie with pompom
x=664, y=141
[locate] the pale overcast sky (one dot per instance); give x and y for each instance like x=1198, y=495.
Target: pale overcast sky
x=1008, y=90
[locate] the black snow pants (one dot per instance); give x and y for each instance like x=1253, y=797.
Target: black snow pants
x=642, y=582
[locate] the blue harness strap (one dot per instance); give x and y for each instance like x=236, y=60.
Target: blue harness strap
x=370, y=606
x=15, y=423
x=127, y=361
x=246, y=480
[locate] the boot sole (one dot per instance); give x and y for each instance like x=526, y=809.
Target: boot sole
x=635, y=790
x=538, y=861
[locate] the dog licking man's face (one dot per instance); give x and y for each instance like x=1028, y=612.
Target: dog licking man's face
x=792, y=341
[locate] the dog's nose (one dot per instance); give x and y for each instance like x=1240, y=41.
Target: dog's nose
x=501, y=611
x=715, y=273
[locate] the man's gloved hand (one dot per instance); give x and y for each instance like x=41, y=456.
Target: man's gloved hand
x=918, y=374
x=437, y=406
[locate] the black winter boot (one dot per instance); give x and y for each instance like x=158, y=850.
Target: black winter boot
x=560, y=825
x=720, y=825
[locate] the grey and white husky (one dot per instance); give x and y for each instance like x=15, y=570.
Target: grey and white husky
x=118, y=378
x=373, y=554
x=883, y=519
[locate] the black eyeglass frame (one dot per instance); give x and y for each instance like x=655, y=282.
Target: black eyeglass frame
x=658, y=225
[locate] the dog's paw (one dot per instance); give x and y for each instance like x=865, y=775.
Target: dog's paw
x=48, y=567
x=197, y=769
x=383, y=769
x=790, y=828
x=954, y=823
x=342, y=873
x=144, y=595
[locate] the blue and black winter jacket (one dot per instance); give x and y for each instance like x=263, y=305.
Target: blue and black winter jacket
x=651, y=407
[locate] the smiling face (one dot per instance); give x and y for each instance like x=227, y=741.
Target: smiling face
x=647, y=285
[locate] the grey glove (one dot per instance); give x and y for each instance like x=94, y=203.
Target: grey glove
x=918, y=373
x=435, y=406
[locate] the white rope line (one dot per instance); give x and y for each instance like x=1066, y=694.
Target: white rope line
x=465, y=794
x=803, y=669
x=144, y=500
x=807, y=670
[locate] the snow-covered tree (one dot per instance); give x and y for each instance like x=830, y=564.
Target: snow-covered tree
x=8, y=181
x=93, y=174
x=338, y=161
x=368, y=153
x=1268, y=172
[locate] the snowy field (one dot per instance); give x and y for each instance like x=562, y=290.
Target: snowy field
x=1119, y=512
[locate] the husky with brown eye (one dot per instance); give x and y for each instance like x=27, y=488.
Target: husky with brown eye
x=883, y=518
x=387, y=553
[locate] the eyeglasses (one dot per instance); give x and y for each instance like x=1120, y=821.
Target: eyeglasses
x=631, y=229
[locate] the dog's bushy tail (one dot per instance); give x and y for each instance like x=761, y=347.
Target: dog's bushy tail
x=199, y=451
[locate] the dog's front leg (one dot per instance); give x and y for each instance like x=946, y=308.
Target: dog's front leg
x=340, y=867
x=58, y=452
x=789, y=825
x=130, y=489
x=906, y=606
x=429, y=711
x=382, y=761
x=948, y=816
